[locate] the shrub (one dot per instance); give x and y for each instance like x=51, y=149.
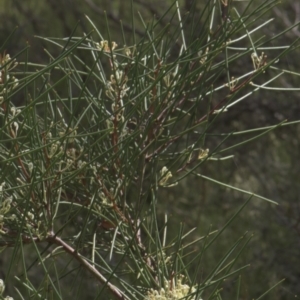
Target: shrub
x=102, y=131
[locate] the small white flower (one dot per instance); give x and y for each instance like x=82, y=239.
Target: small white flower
x=14, y=127
x=203, y=153
x=2, y=286
x=165, y=175
x=30, y=167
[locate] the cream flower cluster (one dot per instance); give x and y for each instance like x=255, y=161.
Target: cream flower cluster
x=2, y=288
x=7, y=83
x=173, y=291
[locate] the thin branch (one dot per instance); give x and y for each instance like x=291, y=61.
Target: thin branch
x=114, y=290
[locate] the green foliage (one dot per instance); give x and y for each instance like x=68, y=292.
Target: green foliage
x=103, y=131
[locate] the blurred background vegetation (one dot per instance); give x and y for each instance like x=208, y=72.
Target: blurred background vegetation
x=269, y=167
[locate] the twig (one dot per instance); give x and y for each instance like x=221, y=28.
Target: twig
x=114, y=290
